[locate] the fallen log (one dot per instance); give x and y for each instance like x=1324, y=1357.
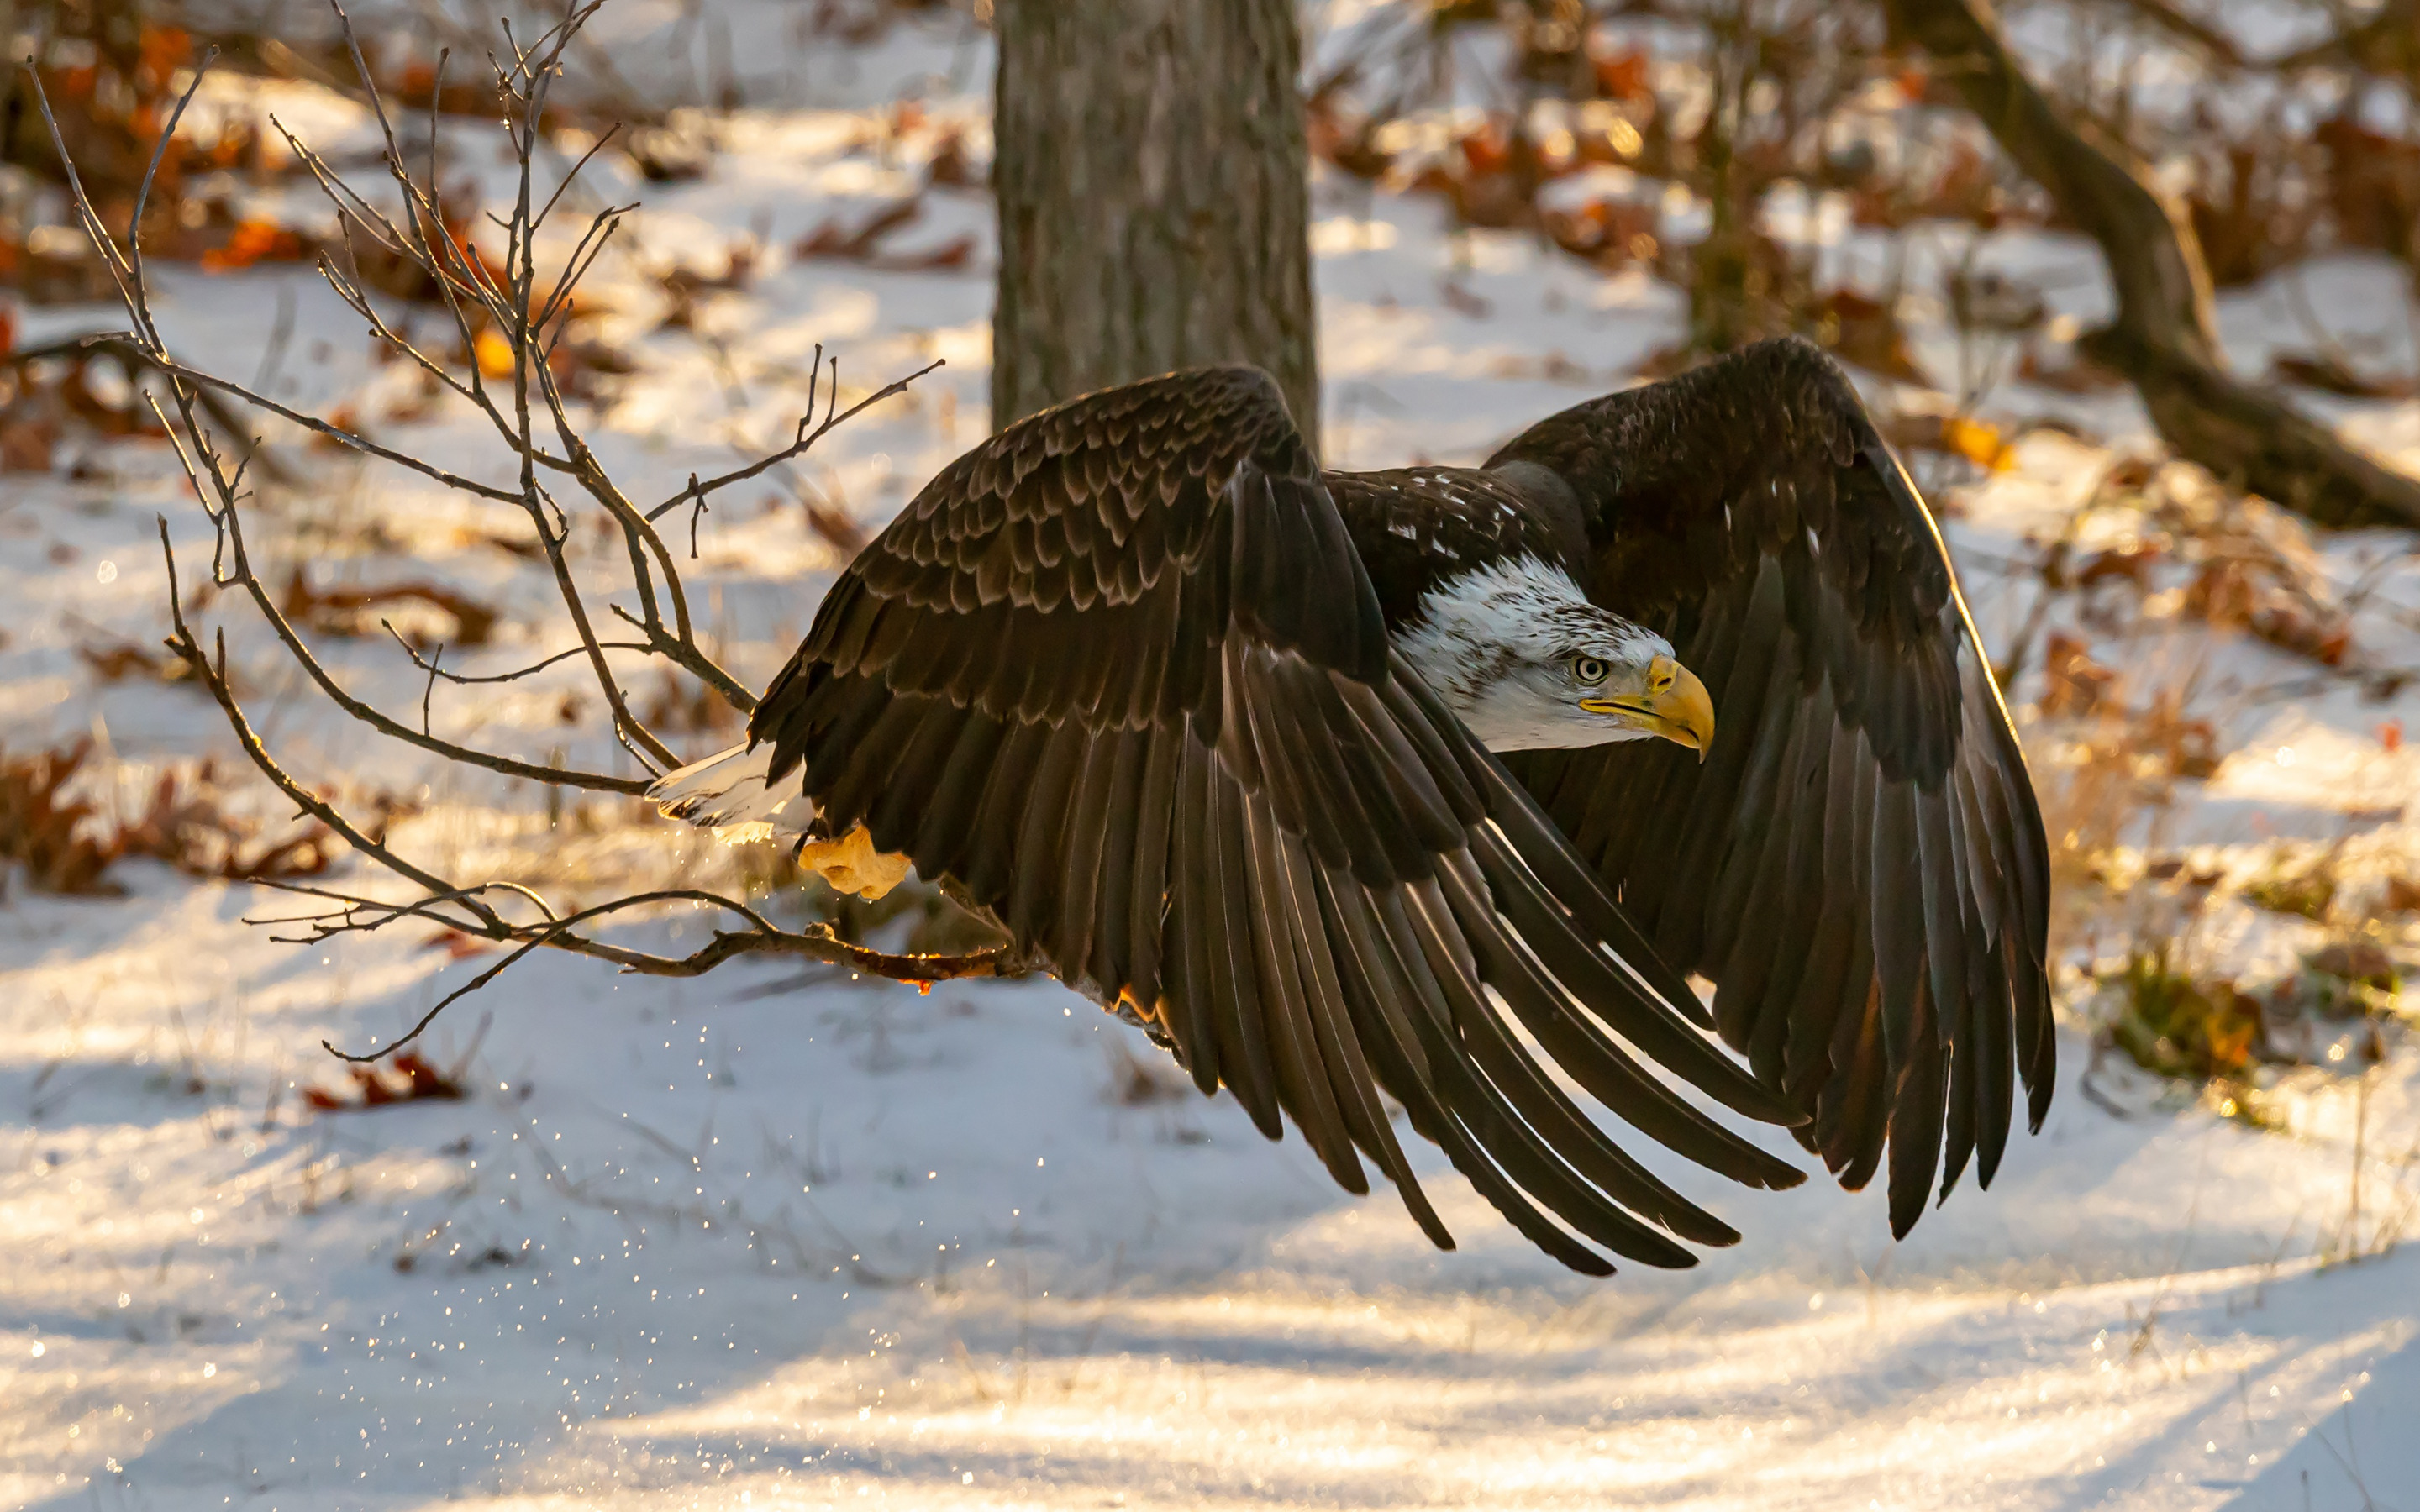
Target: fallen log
x=2164, y=339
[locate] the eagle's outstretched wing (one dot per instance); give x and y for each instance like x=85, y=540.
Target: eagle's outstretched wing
x=1118, y=675
x=1859, y=863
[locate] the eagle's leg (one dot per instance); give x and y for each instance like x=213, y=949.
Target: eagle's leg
x=851, y=864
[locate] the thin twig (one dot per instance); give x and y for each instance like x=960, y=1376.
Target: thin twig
x=573, y=172
x=128, y=290
x=240, y=575
x=151, y=171
x=213, y=677
x=465, y=678
x=344, y=437
x=805, y=439
x=764, y=938
x=356, y=904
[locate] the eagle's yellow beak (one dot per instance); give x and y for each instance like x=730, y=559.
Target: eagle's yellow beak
x=1684, y=708
x=1677, y=707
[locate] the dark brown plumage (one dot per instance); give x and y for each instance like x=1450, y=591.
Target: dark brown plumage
x=1122, y=678
x=1859, y=864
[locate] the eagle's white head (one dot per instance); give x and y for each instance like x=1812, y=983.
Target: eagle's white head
x=1518, y=652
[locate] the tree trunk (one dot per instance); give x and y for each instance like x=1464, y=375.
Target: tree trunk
x=2164, y=339
x=1150, y=167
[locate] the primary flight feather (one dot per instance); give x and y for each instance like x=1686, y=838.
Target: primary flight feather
x=1416, y=780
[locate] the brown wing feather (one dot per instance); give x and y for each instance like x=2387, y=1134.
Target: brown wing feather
x=1859, y=863
x=1119, y=675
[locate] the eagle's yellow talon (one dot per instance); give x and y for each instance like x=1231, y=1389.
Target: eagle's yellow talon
x=851, y=864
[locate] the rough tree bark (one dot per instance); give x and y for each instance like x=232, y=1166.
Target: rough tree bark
x=1154, y=209
x=2162, y=339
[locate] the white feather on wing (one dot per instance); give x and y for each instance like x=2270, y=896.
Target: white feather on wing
x=727, y=793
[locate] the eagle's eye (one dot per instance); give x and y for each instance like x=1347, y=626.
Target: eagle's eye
x=1589, y=671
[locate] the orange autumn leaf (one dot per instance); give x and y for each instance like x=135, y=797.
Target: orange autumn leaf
x=1978, y=442
x=1486, y=150
x=494, y=355
x=164, y=50
x=1623, y=76
x=255, y=241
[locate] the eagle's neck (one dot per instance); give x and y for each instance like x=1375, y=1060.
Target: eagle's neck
x=1553, y=499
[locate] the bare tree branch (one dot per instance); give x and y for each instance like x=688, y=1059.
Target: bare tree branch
x=460, y=680
x=212, y=676
x=499, y=299
x=345, y=438
x=761, y=939
x=804, y=440
x=240, y=575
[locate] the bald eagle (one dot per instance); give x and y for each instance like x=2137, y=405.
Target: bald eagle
x=1435, y=780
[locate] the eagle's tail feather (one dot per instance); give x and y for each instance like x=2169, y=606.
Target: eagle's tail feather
x=728, y=793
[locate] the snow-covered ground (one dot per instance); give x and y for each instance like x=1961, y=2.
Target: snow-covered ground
x=782, y=1239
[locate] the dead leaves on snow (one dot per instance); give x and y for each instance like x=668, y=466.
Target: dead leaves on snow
x=59, y=841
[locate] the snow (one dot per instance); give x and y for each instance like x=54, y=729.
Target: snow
x=783, y=1239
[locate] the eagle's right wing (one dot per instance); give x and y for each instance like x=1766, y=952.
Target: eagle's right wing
x=1859, y=863
x=1119, y=675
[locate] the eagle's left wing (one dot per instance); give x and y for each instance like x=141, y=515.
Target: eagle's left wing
x=1858, y=863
